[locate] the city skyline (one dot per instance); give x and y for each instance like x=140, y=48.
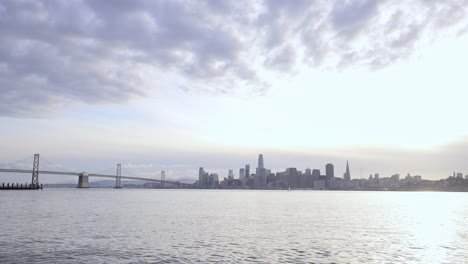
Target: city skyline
x=339, y=167
x=313, y=179
x=303, y=82
x=329, y=170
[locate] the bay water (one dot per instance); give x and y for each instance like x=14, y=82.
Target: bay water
x=232, y=226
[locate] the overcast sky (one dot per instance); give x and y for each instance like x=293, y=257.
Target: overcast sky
x=174, y=85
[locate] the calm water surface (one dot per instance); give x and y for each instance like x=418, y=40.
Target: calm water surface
x=186, y=226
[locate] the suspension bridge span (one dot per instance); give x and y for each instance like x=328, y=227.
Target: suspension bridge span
x=83, y=177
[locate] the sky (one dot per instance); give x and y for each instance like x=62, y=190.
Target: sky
x=175, y=85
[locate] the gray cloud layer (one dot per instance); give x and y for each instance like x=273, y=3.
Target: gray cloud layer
x=60, y=52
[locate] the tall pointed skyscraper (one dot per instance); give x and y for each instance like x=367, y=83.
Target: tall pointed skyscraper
x=347, y=175
x=260, y=161
x=260, y=176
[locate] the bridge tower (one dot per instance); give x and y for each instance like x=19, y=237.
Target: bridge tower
x=118, y=179
x=35, y=172
x=163, y=178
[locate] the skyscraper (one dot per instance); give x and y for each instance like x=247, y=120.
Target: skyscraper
x=260, y=173
x=241, y=174
x=201, y=173
x=347, y=175
x=329, y=171
x=247, y=171
x=260, y=161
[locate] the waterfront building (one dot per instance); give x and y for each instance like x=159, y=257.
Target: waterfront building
x=292, y=176
x=319, y=184
x=247, y=171
x=271, y=179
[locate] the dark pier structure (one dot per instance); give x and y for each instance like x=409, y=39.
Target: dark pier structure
x=21, y=186
x=34, y=185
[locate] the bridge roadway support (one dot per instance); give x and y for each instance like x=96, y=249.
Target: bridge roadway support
x=83, y=180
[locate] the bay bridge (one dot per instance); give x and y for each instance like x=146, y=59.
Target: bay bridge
x=83, y=177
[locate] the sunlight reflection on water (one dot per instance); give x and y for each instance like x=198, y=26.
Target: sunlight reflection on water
x=128, y=226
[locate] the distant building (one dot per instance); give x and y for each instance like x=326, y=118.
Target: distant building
x=260, y=173
x=309, y=180
x=315, y=174
x=258, y=181
x=241, y=174
x=292, y=176
x=213, y=181
x=260, y=161
x=247, y=171
x=329, y=171
x=304, y=180
x=201, y=173
x=271, y=179
x=319, y=185
x=261, y=176
x=231, y=174
x=347, y=175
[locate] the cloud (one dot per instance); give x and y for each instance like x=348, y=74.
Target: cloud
x=351, y=17
x=282, y=59
x=61, y=52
